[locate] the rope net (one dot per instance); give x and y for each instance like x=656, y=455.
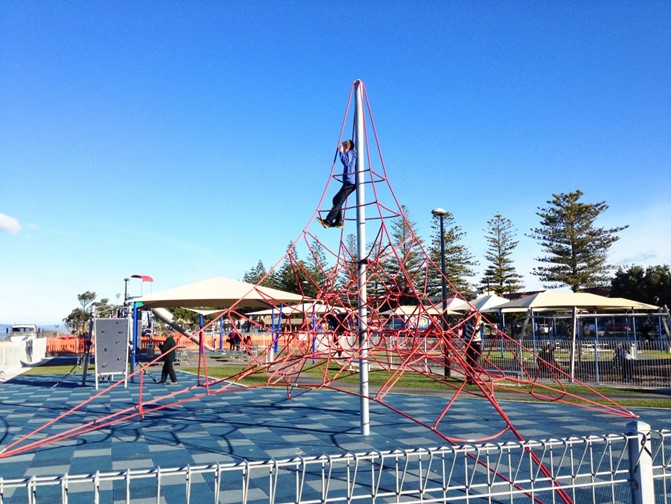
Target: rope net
x=400, y=330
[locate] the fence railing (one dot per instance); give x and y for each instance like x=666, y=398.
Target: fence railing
x=602, y=361
x=596, y=361
x=634, y=467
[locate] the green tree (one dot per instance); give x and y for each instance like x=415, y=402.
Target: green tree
x=350, y=272
x=186, y=318
x=290, y=274
x=77, y=320
x=500, y=274
x=86, y=300
x=348, y=279
x=459, y=262
x=404, y=267
x=576, y=250
x=316, y=271
x=103, y=308
x=257, y=275
x=650, y=285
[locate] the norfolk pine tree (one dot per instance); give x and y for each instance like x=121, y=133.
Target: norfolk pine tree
x=347, y=282
x=316, y=269
x=576, y=250
x=459, y=261
x=255, y=275
x=500, y=275
x=404, y=267
x=284, y=277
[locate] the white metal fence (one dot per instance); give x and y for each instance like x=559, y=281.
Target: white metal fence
x=593, y=360
x=599, y=361
x=602, y=361
x=635, y=467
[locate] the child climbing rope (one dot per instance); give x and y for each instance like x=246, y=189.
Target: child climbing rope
x=348, y=159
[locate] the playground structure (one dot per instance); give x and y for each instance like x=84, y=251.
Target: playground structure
x=358, y=285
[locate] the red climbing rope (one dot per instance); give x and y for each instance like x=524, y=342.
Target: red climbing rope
x=405, y=330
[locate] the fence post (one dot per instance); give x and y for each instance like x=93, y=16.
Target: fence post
x=640, y=463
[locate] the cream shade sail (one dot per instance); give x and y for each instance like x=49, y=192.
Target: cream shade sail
x=555, y=300
x=218, y=292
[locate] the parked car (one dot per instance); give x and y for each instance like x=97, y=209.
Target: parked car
x=542, y=329
x=617, y=326
x=605, y=327
x=397, y=323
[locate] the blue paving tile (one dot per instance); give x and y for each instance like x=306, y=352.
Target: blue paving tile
x=255, y=424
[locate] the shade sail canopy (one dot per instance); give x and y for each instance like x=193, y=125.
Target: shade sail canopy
x=454, y=305
x=206, y=312
x=218, y=292
x=488, y=302
x=307, y=308
x=405, y=310
x=632, y=305
x=555, y=300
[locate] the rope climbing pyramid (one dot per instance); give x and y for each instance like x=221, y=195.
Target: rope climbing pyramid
x=372, y=304
x=380, y=307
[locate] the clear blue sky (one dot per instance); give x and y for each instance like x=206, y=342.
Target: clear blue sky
x=185, y=140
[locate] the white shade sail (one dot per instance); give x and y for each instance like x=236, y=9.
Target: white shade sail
x=488, y=302
x=218, y=292
x=454, y=305
x=300, y=309
x=555, y=300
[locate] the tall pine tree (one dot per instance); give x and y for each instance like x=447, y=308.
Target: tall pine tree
x=287, y=276
x=316, y=271
x=459, y=262
x=500, y=274
x=255, y=275
x=576, y=250
x=404, y=269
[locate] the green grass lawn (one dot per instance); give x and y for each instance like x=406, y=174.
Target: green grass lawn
x=57, y=369
x=625, y=396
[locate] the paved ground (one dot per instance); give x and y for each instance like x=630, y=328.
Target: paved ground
x=256, y=424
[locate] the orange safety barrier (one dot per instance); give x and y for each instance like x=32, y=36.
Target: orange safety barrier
x=181, y=340
x=74, y=345
x=65, y=345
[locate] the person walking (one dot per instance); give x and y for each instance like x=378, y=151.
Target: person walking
x=624, y=362
x=167, y=349
x=546, y=360
x=347, y=155
x=234, y=340
x=473, y=342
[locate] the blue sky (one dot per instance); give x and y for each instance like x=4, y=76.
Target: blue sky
x=185, y=140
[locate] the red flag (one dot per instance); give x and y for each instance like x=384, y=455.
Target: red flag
x=144, y=278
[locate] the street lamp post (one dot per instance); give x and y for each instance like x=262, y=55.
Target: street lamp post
x=441, y=213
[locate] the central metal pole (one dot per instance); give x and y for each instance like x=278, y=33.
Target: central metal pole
x=362, y=255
